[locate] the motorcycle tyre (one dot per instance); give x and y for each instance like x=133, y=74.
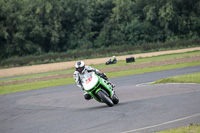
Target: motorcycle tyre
x=105, y=98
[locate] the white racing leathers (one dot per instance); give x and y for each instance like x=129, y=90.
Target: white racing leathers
x=79, y=76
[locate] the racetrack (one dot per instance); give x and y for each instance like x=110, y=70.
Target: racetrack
x=142, y=108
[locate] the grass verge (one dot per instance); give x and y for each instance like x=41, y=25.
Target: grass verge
x=151, y=69
x=102, y=66
x=5, y=89
x=188, y=129
x=187, y=78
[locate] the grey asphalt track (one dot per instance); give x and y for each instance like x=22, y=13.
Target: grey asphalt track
x=142, y=108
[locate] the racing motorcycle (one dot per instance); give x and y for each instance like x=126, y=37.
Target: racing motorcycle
x=110, y=62
x=99, y=89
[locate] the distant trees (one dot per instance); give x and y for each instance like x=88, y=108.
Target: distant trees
x=34, y=27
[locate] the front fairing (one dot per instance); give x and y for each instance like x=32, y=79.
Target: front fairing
x=89, y=81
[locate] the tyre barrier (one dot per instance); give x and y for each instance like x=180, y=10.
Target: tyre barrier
x=131, y=59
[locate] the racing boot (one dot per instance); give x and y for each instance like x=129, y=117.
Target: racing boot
x=87, y=96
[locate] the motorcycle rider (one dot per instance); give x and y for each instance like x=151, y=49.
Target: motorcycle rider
x=113, y=59
x=81, y=69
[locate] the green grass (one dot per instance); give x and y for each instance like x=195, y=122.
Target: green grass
x=188, y=78
x=5, y=89
x=151, y=69
x=150, y=59
x=188, y=129
x=102, y=66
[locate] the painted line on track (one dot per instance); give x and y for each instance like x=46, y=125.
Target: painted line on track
x=144, y=84
x=165, y=123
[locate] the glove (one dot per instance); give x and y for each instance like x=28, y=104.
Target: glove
x=104, y=76
x=97, y=73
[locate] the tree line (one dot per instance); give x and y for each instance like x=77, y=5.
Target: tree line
x=35, y=27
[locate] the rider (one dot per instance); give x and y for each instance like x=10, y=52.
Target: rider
x=113, y=59
x=81, y=69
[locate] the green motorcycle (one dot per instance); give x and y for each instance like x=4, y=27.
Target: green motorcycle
x=99, y=89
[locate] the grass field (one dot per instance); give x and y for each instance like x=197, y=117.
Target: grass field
x=102, y=66
x=188, y=78
x=5, y=89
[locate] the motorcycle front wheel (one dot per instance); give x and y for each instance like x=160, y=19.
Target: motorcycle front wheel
x=105, y=98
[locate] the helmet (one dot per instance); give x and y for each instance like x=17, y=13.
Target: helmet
x=80, y=66
x=113, y=56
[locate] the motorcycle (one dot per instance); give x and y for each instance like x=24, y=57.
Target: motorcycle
x=99, y=89
x=111, y=62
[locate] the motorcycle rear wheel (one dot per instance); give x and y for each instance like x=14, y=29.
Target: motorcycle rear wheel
x=105, y=98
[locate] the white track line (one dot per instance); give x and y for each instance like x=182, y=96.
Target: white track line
x=143, y=84
x=139, y=129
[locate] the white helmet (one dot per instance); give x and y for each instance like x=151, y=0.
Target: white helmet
x=80, y=66
x=113, y=56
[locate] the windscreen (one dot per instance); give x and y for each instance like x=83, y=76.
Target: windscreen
x=87, y=77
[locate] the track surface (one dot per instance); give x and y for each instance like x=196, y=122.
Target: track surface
x=142, y=108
